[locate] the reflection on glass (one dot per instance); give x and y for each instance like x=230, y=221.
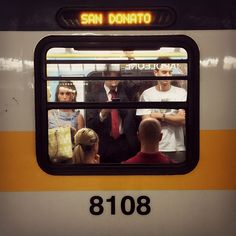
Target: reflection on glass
x=125, y=69
x=116, y=128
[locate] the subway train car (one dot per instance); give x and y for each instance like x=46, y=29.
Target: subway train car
x=80, y=44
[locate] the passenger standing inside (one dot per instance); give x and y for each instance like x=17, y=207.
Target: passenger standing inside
x=149, y=134
x=172, y=120
x=86, y=147
x=65, y=92
x=115, y=127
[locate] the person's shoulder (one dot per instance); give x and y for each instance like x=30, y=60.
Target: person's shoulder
x=131, y=160
x=52, y=112
x=149, y=91
x=93, y=95
x=76, y=111
x=178, y=89
x=166, y=159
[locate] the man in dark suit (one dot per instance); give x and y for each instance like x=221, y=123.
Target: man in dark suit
x=114, y=146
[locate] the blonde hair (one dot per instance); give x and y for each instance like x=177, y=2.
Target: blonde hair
x=85, y=141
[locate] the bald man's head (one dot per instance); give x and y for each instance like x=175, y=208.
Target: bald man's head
x=150, y=131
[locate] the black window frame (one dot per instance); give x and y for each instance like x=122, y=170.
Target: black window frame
x=117, y=43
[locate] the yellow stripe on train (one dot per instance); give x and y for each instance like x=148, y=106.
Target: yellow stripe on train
x=20, y=171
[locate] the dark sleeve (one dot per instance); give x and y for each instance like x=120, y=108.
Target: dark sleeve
x=92, y=116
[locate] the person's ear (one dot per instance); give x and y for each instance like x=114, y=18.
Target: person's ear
x=138, y=135
x=155, y=72
x=97, y=159
x=161, y=134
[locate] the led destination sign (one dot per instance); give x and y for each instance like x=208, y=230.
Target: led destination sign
x=71, y=18
x=116, y=18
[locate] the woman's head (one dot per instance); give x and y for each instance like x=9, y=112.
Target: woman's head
x=65, y=92
x=86, y=147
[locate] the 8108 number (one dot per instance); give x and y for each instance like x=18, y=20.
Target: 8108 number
x=128, y=205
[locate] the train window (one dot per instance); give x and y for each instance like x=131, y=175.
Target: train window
x=103, y=87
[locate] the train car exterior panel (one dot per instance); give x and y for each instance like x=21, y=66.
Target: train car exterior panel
x=217, y=130
x=66, y=213
x=201, y=202
x=24, y=174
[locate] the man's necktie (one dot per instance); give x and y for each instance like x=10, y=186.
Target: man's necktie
x=114, y=118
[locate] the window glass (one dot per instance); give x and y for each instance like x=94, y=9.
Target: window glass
x=106, y=94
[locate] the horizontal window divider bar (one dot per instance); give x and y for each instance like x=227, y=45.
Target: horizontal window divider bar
x=119, y=169
x=154, y=78
x=147, y=61
x=117, y=105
